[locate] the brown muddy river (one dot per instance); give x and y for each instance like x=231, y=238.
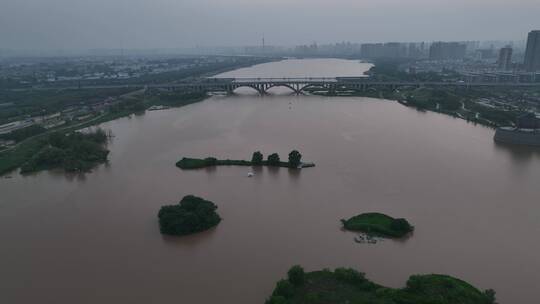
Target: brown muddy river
x=94, y=238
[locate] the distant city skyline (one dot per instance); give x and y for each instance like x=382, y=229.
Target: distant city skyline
x=140, y=24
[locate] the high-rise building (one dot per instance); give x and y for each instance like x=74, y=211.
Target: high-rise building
x=505, y=58
x=447, y=50
x=384, y=50
x=532, y=54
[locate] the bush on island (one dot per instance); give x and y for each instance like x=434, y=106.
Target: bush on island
x=210, y=161
x=257, y=158
x=345, y=285
x=295, y=159
x=284, y=288
x=193, y=214
x=296, y=275
x=273, y=159
x=378, y=224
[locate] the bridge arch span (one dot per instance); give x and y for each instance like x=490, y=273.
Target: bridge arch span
x=312, y=85
x=295, y=90
x=257, y=89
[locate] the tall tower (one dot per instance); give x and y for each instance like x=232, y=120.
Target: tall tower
x=505, y=58
x=532, y=54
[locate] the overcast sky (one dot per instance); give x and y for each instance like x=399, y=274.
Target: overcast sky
x=78, y=24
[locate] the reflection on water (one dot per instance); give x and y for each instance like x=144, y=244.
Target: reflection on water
x=94, y=238
x=189, y=240
x=520, y=154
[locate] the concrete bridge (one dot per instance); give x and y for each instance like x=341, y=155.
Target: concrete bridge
x=329, y=84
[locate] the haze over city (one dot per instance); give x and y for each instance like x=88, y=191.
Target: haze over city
x=77, y=24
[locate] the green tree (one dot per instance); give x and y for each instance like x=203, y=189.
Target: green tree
x=490, y=295
x=294, y=159
x=276, y=300
x=257, y=158
x=401, y=225
x=192, y=214
x=210, y=161
x=296, y=275
x=273, y=159
x=284, y=289
x=349, y=275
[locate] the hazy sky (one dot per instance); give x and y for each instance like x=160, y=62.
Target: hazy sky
x=78, y=24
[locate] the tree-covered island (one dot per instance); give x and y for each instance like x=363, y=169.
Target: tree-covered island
x=193, y=214
x=378, y=224
x=73, y=152
x=345, y=285
x=273, y=160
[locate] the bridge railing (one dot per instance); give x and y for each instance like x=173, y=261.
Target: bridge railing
x=285, y=79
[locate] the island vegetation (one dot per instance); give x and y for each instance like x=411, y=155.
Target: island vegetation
x=273, y=160
x=378, y=224
x=73, y=152
x=193, y=214
x=345, y=285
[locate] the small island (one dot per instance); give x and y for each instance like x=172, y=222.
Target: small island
x=273, y=160
x=345, y=285
x=193, y=214
x=379, y=224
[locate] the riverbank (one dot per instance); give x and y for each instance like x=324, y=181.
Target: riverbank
x=16, y=156
x=452, y=102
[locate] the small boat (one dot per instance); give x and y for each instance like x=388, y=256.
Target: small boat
x=250, y=174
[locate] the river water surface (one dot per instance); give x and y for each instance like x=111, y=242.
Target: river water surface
x=94, y=238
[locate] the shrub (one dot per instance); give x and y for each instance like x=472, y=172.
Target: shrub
x=192, y=214
x=294, y=159
x=312, y=297
x=283, y=289
x=378, y=224
x=349, y=275
x=401, y=225
x=490, y=295
x=257, y=158
x=296, y=275
x=210, y=161
x=273, y=159
x=276, y=300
